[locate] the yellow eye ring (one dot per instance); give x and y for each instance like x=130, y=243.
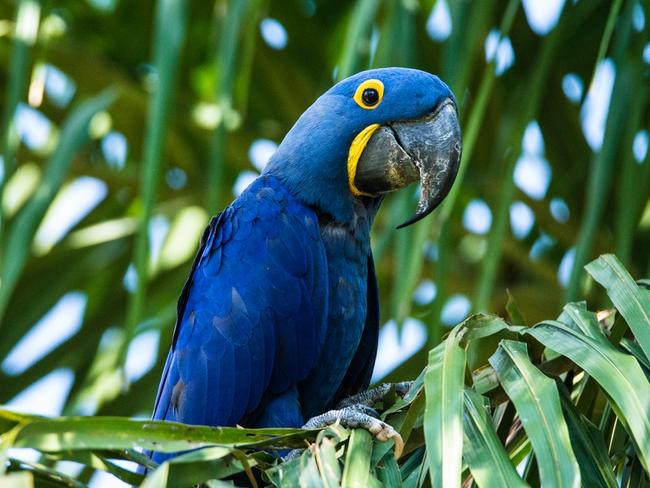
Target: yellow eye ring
x=369, y=94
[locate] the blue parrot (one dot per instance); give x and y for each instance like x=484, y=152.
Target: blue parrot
x=278, y=320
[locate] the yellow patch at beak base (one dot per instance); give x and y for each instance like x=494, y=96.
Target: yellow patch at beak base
x=356, y=148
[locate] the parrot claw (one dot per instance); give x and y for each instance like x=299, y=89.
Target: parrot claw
x=359, y=416
x=356, y=412
x=372, y=396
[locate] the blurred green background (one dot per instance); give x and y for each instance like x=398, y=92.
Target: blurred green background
x=125, y=125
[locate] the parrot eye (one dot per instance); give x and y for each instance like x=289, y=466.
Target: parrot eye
x=369, y=94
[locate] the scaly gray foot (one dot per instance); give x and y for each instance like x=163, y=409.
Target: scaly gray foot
x=356, y=412
x=372, y=396
x=357, y=416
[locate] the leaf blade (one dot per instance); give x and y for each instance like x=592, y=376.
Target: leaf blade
x=619, y=374
x=357, y=461
x=538, y=405
x=73, y=135
x=482, y=449
x=443, y=415
x=629, y=299
x=83, y=433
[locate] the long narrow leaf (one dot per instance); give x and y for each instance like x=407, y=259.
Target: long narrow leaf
x=443, y=415
x=537, y=86
x=482, y=449
x=45, y=476
x=389, y=474
x=194, y=468
x=538, y=406
x=95, y=461
x=75, y=433
x=73, y=135
x=577, y=316
x=360, y=23
x=26, y=31
x=357, y=461
x=328, y=464
x=609, y=30
x=589, y=447
x=168, y=40
x=605, y=159
x=225, y=65
x=619, y=374
x=629, y=299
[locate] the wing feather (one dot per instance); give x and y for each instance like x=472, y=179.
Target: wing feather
x=252, y=315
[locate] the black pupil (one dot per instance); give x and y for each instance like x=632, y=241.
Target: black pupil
x=370, y=96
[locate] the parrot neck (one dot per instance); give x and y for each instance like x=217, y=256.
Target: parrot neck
x=329, y=197
x=359, y=225
x=311, y=161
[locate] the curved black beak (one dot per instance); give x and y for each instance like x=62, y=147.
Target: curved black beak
x=401, y=153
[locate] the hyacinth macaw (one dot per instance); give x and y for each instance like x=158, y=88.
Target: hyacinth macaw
x=278, y=320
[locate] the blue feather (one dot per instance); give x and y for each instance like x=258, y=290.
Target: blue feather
x=246, y=330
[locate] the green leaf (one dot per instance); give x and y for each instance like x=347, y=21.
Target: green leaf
x=482, y=449
x=589, y=447
x=633, y=348
x=287, y=474
x=73, y=135
x=481, y=325
x=577, y=316
x=357, y=460
x=75, y=433
x=443, y=416
x=45, y=476
x=389, y=473
x=360, y=24
x=309, y=476
x=415, y=464
x=609, y=30
x=631, y=301
x=538, y=406
x=194, y=468
x=328, y=463
x=96, y=461
x=619, y=374
x=27, y=12
x=317, y=466
x=514, y=312
x=237, y=19
x=168, y=40
x=607, y=158
x=535, y=87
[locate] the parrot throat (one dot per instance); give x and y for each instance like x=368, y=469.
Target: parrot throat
x=364, y=212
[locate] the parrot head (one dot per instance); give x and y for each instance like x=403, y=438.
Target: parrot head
x=372, y=133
